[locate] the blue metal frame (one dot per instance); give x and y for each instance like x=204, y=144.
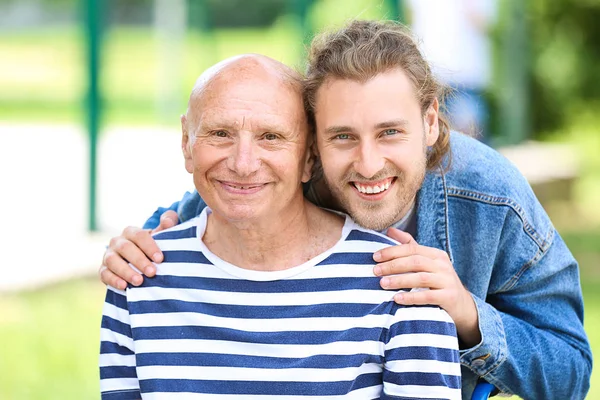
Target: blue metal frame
x=482, y=391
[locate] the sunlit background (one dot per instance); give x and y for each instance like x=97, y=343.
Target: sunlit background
x=90, y=97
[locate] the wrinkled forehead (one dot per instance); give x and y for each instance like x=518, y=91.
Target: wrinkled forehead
x=252, y=86
x=247, y=70
x=260, y=88
x=257, y=102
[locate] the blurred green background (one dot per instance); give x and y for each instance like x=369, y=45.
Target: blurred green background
x=49, y=334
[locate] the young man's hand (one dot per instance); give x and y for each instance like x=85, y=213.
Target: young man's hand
x=135, y=246
x=411, y=265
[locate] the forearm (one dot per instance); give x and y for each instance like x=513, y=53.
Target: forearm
x=467, y=326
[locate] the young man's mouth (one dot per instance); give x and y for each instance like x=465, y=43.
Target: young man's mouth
x=374, y=188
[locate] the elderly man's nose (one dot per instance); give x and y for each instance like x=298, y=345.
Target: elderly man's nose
x=244, y=160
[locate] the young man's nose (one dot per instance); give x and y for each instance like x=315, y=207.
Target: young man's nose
x=369, y=160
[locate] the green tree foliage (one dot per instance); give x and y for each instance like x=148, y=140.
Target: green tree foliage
x=565, y=55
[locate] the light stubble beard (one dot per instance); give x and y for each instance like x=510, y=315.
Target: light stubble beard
x=382, y=214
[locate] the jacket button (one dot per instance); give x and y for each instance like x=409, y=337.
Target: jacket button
x=478, y=363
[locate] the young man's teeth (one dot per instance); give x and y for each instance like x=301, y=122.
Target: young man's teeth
x=373, y=189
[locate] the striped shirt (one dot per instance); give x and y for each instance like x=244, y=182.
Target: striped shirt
x=206, y=329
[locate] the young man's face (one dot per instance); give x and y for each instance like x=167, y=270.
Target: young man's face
x=249, y=151
x=372, y=139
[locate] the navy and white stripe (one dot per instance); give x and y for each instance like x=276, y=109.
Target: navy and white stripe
x=205, y=329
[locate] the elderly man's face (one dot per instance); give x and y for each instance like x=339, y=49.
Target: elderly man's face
x=248, y=151
x=372, y=139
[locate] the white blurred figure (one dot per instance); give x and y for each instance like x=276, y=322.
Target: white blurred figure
x=455, y=41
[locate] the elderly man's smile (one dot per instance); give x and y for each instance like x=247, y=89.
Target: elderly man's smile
x=242, y=188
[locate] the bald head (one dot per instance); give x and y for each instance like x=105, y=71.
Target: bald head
x=243, y=67
x=234, y=72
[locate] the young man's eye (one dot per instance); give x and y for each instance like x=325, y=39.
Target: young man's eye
x=390, y=132
x=342, y=136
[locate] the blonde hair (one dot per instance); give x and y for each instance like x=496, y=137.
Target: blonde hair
x=363, y=49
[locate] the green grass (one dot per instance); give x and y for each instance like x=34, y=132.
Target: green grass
x=50, y=342
x=591, y=296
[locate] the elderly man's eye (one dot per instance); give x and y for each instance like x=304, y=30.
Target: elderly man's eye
x=270, y=136
x=220, y=134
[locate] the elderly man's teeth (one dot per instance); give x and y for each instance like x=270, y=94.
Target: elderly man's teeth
x=242, y=187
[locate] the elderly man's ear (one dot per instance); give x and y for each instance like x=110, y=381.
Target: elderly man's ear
x=186, y=145
x=310, y=159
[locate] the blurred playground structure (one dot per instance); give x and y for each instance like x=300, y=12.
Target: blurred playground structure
x=90, y=97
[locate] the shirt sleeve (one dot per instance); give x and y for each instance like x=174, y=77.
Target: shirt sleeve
x=421, y=355
x=118, y=376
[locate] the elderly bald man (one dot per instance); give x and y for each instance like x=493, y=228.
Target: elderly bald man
x=265, y=294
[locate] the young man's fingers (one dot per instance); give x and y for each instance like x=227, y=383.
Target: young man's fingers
x=412, y=280
x=142, y=241
x=167, y=220
x=120, y=267
x=122, y=251
x=402, y=265
x=405, y=250
x=400, y=236
x=422, y=297
x=108, y=278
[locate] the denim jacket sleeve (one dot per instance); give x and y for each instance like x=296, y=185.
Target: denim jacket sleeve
x=187, y=208
x=527, y=348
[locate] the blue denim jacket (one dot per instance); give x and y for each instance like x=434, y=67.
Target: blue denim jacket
x=523, y=278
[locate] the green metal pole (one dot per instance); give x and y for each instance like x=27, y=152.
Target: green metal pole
x=199, y=20
x=93, y=24
x=300, y=9
x=397, y=10
x=514, y=78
